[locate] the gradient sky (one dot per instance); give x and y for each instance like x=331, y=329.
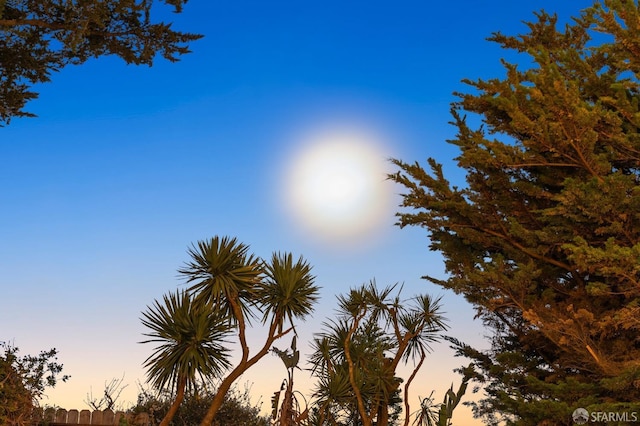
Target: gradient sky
x=125, y=167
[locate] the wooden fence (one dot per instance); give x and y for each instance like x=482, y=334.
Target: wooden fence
x=53, y=417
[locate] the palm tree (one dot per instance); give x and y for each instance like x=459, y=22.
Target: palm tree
x=356, y=357
x=416, y=327
x=351, y=363
x=224, y=277
x=191, y=345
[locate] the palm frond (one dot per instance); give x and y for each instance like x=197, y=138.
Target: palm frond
x=190, y=339
x=221, y=272
x=288, y=291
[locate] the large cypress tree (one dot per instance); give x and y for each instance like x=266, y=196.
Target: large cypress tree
x=544, y=237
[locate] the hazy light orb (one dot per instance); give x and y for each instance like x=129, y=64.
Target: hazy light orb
x=337, y=186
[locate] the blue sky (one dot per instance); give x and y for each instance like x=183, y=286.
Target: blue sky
x=125, y=167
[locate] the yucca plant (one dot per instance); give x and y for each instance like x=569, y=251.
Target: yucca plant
x=356, y=357
x=225, y=277
x=191, y=341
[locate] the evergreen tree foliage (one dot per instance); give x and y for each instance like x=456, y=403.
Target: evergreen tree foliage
x=38, y=37
x=544, y=238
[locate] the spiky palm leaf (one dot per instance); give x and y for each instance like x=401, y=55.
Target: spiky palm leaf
x=366, y=298
x=373, y=332
x=427, y=415
x=191, y=341
x=223, y=273
x=367, y=348
x=334, y=387
x=424, y=321
x=288, y=291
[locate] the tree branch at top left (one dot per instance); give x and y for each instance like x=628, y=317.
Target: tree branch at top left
x=38, y=37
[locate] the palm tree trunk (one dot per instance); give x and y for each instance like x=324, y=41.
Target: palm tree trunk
x=221, y=393
x=364, y=416
x=182, y=383
x=242, y=366
x=407, y=413
x=383, y=415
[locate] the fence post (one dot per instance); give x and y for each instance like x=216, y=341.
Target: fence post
x=108, y=417
x=61, y=416
x=73, y=417
x=85, y=417
x=49, y=414
x=96, y=417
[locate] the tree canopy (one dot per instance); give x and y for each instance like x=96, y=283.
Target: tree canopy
x=38, y=37
x=544, y=237
x=23, y=380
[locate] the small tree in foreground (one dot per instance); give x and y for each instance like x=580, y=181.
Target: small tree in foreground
x=110, y=395
x=356, y=357
x=544, y=238
x=23, y=380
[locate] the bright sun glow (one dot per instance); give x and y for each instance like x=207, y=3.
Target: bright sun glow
x=337, y=187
